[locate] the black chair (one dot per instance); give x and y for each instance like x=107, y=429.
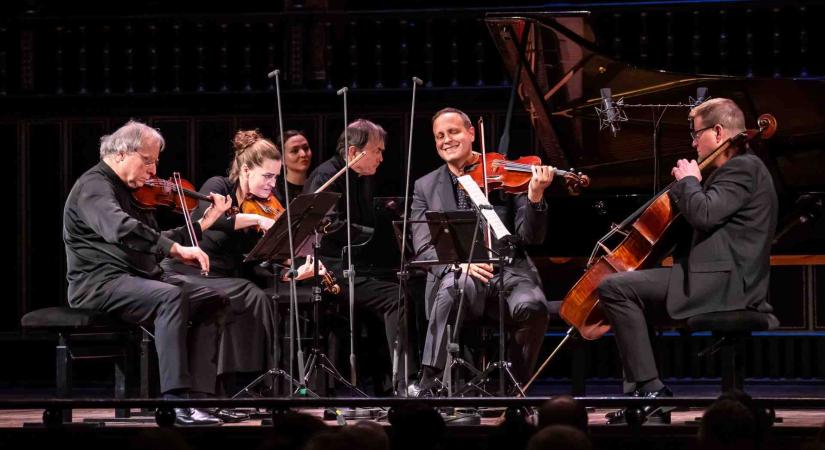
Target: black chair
x=84, y=334
x=731, y=328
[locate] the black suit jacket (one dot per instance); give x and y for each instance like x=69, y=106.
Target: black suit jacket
x=733, y=216
x=435, y=192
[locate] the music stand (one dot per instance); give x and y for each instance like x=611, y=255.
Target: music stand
x=307, y=211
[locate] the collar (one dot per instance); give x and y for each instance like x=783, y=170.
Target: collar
x=107, y=170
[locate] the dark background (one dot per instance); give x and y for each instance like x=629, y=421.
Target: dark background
x=73, y=71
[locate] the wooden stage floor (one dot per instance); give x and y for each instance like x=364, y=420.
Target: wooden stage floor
x=812, y=419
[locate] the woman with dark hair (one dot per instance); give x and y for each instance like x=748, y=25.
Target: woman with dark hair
x=297, y=159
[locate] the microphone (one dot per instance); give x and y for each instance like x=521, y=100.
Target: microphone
x=701, y=96
x=342, y=91
x=273, y=74
x=417, y=81
x=609, y=115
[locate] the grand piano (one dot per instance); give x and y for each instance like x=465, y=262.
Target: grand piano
x=558, y=72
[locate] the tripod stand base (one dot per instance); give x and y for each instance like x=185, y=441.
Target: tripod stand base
x=319, y=361
x=483, y=377
x=274, y=374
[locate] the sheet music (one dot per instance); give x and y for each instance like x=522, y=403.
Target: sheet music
x=477, y=197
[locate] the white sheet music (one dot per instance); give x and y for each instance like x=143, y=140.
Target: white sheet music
x=481, y=202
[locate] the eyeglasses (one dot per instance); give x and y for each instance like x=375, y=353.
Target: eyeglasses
x=695, y=133
x=148, y=161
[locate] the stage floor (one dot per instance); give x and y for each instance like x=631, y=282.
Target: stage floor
x=798, y=418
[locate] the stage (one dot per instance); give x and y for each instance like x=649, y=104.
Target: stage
x=798, y=427
x=799, y=408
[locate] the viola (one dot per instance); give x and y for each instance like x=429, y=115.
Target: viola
x=273, y=209
x=329, y=283
x=159, y=192
x=270, y=207
x=513, y=176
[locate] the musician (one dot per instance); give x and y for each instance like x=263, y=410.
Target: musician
x=247, y=341
x=375, y=300
x=524, y=214
x=112, y=250
x=297, y=159
x=724, y=267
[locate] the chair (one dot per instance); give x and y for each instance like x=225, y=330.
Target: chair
x=731, y=328
x=84, y=334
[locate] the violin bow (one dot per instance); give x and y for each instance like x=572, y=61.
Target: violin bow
x=187, y=219
x=487, y=236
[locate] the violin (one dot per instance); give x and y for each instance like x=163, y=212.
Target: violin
x=513, y=176
x=159, y=192
x=175, y=193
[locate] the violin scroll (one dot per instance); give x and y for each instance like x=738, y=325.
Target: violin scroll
x=573, y=181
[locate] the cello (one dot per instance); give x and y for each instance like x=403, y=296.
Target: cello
x=646, y=238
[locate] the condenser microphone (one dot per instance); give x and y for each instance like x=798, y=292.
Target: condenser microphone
x=609, y=114
x=273, y=74
x=701, y=96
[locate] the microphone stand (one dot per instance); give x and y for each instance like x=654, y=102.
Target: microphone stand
x=613, y=114
x=349, y=273
x=403, y=273
x=293, y=294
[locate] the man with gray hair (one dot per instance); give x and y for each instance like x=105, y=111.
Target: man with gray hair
x=376, y=300
x=113, y=248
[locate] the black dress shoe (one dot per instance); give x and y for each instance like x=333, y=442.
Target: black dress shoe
x=646, y=413
x=193, y=417
x=418, y=390
x=229, y=415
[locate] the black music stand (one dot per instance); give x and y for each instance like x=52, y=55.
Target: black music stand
x=454, y=236
x=307, y=212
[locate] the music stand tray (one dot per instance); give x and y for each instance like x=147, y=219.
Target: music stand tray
x=451, y=234
x=307, y=211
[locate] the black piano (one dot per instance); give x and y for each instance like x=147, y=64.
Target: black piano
x=559, y=72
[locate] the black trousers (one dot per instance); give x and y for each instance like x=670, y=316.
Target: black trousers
x=633, y=302
x=526, y=317
x=186, y=325
x=246, y=343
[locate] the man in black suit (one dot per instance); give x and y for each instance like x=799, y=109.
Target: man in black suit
x=525, y=216
x=376, y=300
x=726, y=265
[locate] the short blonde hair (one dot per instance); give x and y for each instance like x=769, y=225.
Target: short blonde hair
x=722, y=111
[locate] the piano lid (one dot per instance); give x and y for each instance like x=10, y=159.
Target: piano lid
x=562, y=72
